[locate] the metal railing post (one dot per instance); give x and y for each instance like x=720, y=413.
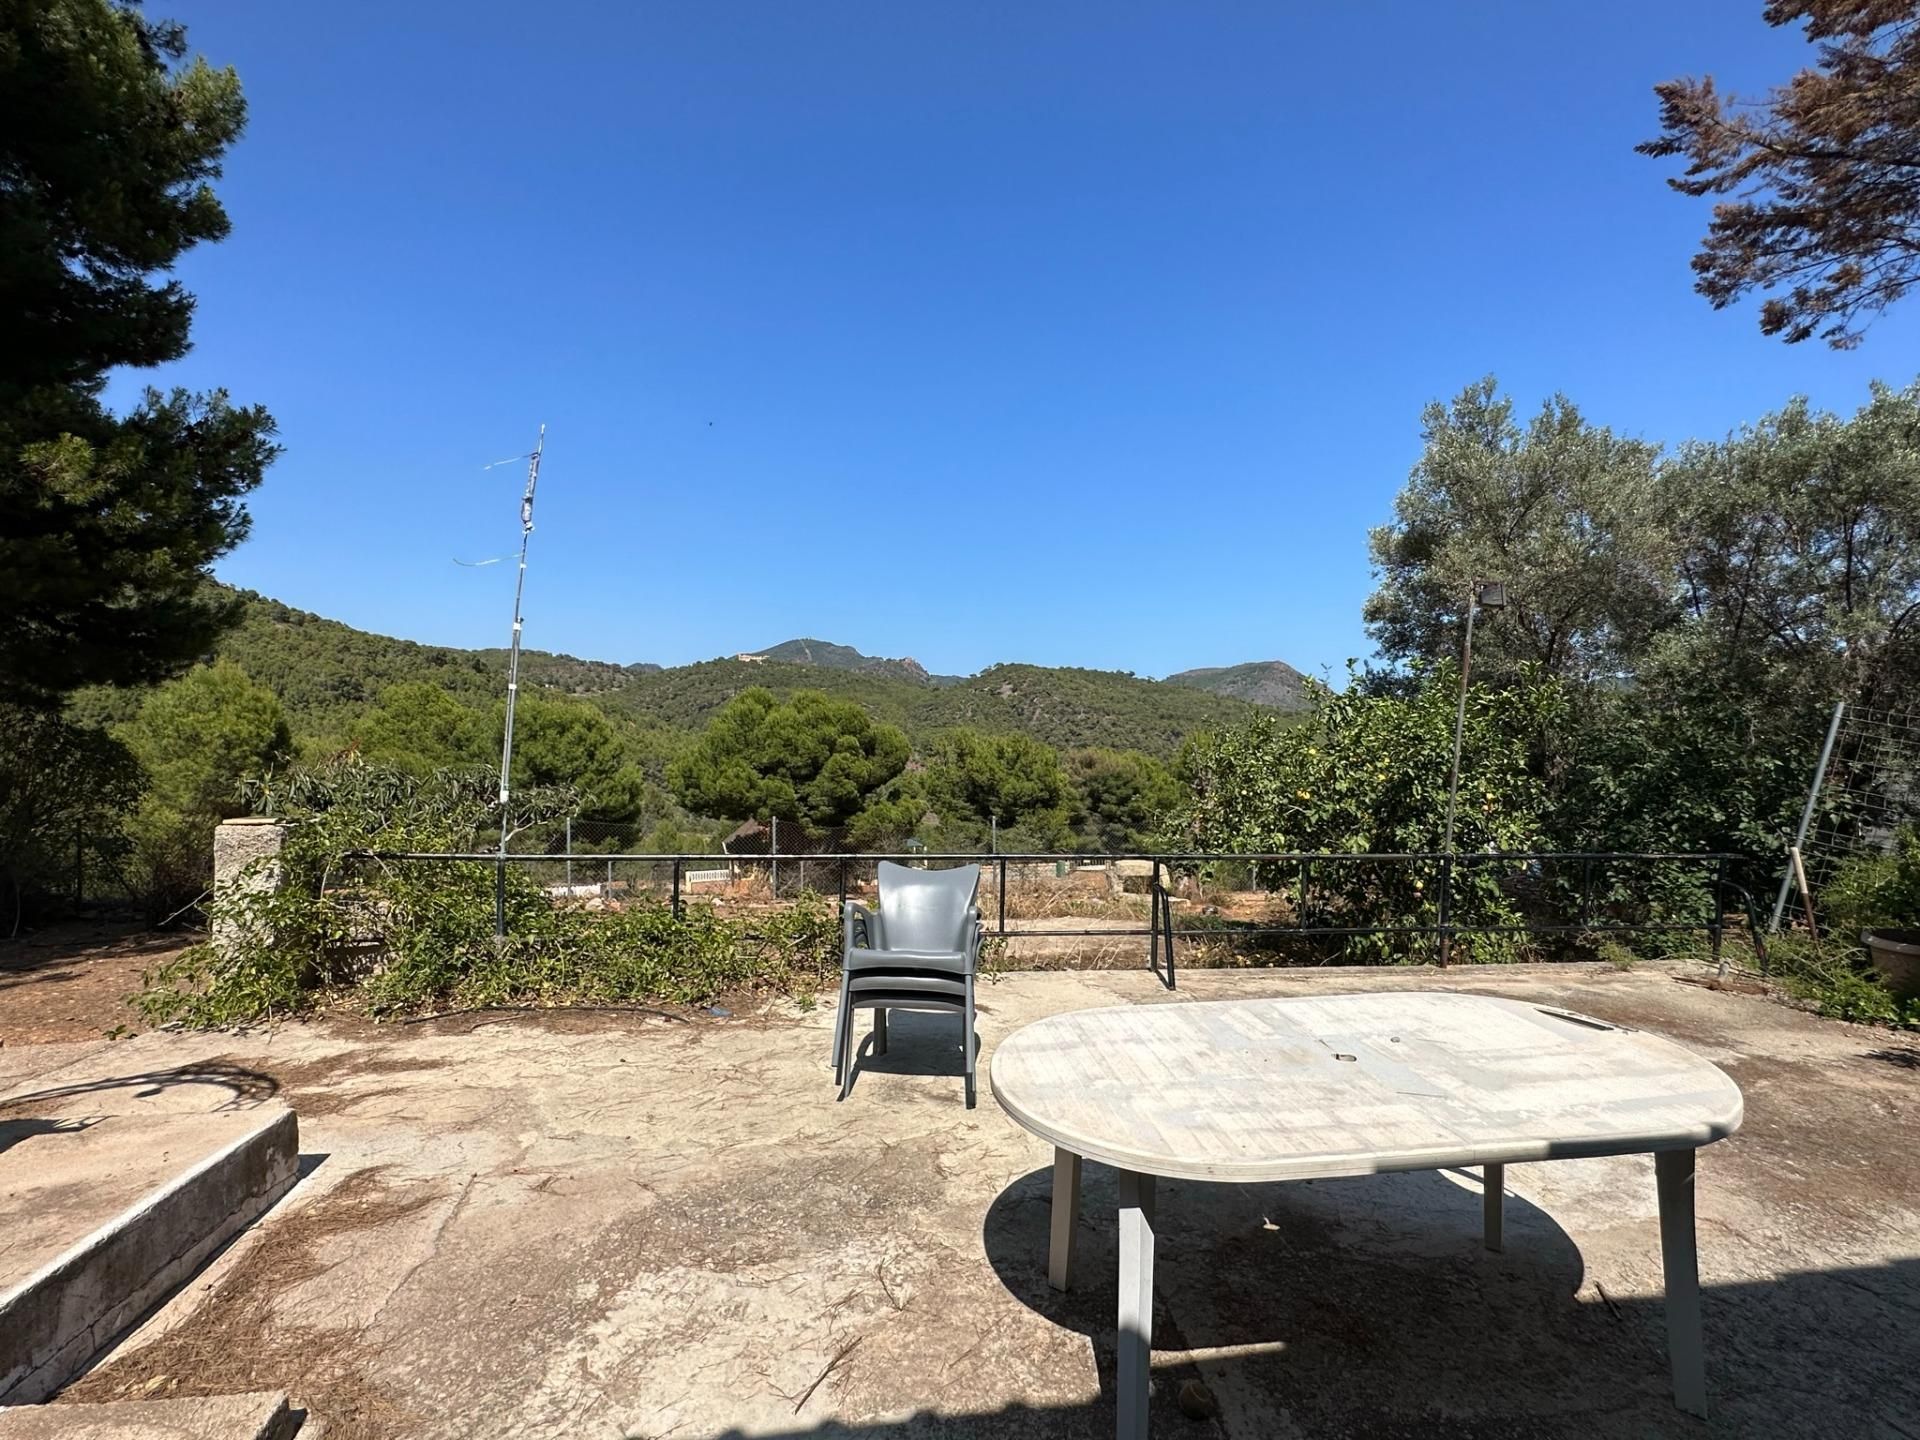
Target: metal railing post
x=569, y=852
x=1166, y=914
x=1003, y=896
x=1153, y=925
x=676, y=887
x=1446, y=910
x=1716, y=922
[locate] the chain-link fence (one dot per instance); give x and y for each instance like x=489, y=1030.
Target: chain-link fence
x=1865, y=789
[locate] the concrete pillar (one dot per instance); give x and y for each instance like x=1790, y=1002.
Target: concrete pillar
x=246, y=860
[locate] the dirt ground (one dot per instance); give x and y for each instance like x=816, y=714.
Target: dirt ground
x=606, y=1224
x=71, y=981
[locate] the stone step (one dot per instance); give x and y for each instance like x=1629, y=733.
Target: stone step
x=108, y=1214
x=264, y=1415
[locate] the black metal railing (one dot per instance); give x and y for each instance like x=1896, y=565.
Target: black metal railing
x=1488, y=893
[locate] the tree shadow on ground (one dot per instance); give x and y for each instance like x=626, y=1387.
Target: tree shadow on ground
x=244, y=1085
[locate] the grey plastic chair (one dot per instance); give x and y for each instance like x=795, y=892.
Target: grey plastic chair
x=918, y=953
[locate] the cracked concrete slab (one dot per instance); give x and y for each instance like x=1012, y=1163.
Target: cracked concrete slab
x=603, y=1224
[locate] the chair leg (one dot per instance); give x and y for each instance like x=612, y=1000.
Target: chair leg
x=842, y=1027
x=967, y=1047
x=879, y=1029
x=845, y=1077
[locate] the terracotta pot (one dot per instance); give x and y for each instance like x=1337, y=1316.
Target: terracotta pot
x=1896, y=955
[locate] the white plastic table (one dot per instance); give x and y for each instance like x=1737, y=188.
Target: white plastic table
x=1335, y=1085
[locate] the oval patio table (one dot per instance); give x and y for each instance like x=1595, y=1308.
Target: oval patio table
x=1325, y=1086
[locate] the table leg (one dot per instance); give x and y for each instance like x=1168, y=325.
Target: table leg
x=1493, y=1181
x=1066, y=1217
x=1673, y=1174
x=1134, y=1346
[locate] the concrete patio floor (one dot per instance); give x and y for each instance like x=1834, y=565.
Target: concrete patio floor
x=590, y=1224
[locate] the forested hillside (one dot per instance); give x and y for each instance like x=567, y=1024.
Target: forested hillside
x=327, y=674
x=1262, y=682
x=826, y=654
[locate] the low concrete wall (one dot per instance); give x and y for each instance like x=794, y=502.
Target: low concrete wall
x=55, y=1320
x=259, y=1416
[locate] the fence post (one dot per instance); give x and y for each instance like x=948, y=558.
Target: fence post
x=1753, y=932
x=1446, y=909
x=1153, y=926
x=1717, y=920
x=676, y=887
x=1166, y=915
x=1003, y=897
x=569, y=852
x=1806, y=816
x=774, y=851
x=246, y=861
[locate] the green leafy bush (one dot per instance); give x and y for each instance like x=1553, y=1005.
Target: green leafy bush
x=1838, y=981
x=1366, y=774
x=1878, y=891
x=199, y=738
x=390, y=936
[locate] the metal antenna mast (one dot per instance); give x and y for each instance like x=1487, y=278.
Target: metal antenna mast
x=513, y=687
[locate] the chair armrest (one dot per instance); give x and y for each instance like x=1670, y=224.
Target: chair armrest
x=971, y=934
x=861, y=928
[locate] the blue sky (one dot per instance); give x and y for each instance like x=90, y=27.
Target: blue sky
x=1074, y=334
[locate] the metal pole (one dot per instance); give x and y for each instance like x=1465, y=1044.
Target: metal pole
x=1717, y=920
x=1003, y=897
x=1153, y=927
x=1806, y=816
x=569, y=852
x=1453, y=778
x=1166, y=916
x=775, y=853
x=513, y=686
x=676, y=888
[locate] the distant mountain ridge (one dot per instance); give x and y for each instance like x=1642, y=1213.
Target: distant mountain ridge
x=326, y=673
x=1272, y=683
x=830, y=656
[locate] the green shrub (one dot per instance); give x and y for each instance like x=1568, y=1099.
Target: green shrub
x=407, y=935
x=1878, y=891
x=1839, y=981
x=1367, y=774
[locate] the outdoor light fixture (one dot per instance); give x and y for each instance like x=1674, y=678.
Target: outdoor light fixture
x=1484, y=595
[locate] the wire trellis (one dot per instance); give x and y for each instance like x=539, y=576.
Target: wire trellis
x=1868, y=791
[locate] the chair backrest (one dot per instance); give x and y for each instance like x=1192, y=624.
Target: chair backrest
x=925, y=909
